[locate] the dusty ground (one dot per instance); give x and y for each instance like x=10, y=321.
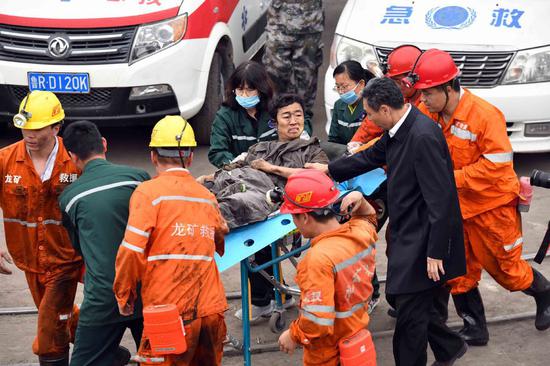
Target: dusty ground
x=512, y=343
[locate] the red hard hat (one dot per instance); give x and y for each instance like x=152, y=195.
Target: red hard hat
x=308, y=190
x=434, y=67
x=401, y=60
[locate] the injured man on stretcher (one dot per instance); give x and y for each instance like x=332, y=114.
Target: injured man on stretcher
x=241, y=186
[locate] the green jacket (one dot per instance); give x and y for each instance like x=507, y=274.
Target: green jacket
x=344, y=123
x=95, y=213
x=234, y=131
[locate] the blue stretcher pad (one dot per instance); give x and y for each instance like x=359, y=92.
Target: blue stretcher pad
x=243, y=242
x=365, y=183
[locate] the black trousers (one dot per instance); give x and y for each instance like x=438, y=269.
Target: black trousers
x=97, y=346
x=418, y=323
x=261, y=289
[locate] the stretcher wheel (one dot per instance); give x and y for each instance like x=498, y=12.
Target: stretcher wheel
x=277, y=322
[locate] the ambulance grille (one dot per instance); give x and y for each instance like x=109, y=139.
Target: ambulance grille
x=95, y=98
x=479, y=69
x=86, y=46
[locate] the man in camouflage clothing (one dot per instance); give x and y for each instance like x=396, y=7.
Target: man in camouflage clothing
x=293, y=51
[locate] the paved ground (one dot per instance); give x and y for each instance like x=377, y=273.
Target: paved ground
x=512, y=343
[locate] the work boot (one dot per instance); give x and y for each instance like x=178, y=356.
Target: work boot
x=122, y=356
x=469, y=307
x=451, y=362
x=540, y=290
x=61, y=360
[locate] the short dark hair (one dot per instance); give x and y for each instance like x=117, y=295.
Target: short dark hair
x=454, y=84
x=255, y=76
x=383, y=91
x=323, y=217
x=282, y=101
x=83, y=139
x=354, y=70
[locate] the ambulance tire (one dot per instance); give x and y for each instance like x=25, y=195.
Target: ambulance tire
x=277, y=322
x=202, y=122
x=380, y=199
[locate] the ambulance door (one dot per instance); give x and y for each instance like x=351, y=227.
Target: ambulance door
x=253, y=23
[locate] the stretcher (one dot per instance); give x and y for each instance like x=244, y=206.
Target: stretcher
x=242, y=243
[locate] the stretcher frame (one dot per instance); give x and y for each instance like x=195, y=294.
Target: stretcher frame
x=242, y=243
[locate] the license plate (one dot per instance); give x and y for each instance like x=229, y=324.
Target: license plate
x=59, y=82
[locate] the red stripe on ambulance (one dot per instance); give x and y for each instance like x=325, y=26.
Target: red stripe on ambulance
x=92, y=23
x=202, y=20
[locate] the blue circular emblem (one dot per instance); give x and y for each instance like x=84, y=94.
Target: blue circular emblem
x=450, y=17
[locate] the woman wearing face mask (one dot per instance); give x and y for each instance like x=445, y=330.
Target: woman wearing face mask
x=243, y=118
x=350, y=78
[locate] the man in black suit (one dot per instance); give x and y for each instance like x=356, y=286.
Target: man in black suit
x=426, y=242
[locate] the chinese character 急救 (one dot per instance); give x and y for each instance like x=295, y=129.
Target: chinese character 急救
x=397, y=15
x=506, y=17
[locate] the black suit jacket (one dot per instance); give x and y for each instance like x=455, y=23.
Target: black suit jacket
x=425, y=219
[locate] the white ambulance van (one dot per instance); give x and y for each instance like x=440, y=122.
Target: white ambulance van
x=502, y=49
x=126, y=62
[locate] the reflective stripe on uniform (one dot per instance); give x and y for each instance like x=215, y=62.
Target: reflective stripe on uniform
x=32, y=224
x=135, y=230
x=241, y=138
x=319, y=308
x=161, y=257
x=463, y=134
x=349, y=124
x=133, y=247
x=99, y=189
x=267, y=133
x=351, y=261
x=499, y=157
x=509, y=247
x=350, y=312
x=317, y=320
x=181, y=198
x=21, y=222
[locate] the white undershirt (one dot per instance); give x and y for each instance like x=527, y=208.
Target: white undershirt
x=48, y=169
x=394, y=129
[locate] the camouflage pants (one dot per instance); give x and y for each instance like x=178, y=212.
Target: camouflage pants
x=292, y=62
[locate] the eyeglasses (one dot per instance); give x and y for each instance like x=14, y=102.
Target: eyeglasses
x=344, y=88
x=245, y=91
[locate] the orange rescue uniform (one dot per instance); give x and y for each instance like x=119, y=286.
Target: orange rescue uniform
x=174, y=228
x=335, y=282
x=488, y=189
x=39, y=244
x=366, y=132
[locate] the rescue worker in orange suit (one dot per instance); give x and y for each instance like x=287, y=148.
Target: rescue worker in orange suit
x=488, y=190
x=33, y=172
x=174, y=228
x=399, y=64
x=335, y=275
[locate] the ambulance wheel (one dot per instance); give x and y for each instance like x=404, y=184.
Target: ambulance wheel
x=277, y=322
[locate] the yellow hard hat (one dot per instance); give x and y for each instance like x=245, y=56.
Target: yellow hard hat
x=38, y=110
x=170, y=130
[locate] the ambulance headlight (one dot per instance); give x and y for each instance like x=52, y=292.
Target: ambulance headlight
x=344, y=49
x=152, y=38
x=529, y=66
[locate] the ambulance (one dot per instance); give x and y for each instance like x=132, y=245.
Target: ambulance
x=127, y=62
x=502, y=49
